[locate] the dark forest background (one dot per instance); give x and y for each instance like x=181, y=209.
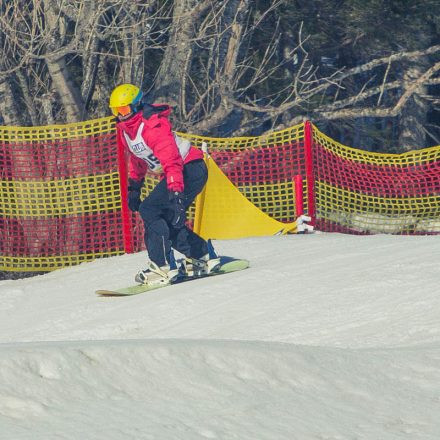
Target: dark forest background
x=366, y=72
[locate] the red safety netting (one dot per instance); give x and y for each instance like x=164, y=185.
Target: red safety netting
x=263, y=169
x=60, y=200
x=362, y=192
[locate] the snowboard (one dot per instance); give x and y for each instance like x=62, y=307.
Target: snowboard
x=227, y=265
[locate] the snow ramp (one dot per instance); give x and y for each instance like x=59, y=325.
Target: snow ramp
x=325, y=336
x=183, y=389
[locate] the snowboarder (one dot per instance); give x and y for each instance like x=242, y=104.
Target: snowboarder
x=145, y=131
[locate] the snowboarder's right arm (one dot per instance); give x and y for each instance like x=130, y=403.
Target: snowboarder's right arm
x=137, y=168
x=136, y=173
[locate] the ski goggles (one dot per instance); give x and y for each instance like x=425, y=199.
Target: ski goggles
x=122, y=111
x=125, y=110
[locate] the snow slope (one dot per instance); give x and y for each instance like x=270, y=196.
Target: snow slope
x=326, y=336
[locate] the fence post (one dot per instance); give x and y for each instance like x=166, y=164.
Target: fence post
x=125, y=212
x=200, y=199
x=299, y=196
x=308, y=145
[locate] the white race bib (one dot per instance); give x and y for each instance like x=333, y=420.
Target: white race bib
x=140, y=149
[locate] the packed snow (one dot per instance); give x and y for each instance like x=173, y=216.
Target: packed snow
x=325, y=336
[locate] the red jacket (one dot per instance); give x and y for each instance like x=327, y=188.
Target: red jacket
x=152, y=145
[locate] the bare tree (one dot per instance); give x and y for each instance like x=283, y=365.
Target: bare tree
x=63, y=44
x=206, y=58
x=176, y=61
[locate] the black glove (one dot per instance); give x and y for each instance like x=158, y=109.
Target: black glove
x=177, y=202
x=134, y=194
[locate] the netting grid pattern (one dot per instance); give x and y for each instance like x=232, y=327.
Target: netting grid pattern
x=60, y=201
x=262, y=168
x=362, y=192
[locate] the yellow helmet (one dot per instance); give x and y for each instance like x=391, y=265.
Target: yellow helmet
x=123, y=96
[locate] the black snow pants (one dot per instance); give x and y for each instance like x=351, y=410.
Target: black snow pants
x=156, y=212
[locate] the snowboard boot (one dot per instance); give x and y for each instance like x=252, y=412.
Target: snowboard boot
x=155, y=275
x=193, y=267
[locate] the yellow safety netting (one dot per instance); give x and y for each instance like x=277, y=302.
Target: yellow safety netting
x=41, y=199
x=60, y=196
x=365, y=192
x=261, y=168
x=58, y=131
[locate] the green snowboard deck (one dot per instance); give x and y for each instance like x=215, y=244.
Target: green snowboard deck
x=227, y=265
